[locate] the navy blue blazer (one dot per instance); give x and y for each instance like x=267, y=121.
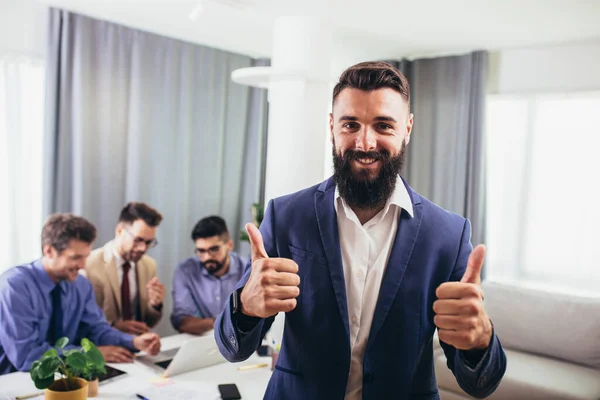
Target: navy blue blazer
x=430, y=248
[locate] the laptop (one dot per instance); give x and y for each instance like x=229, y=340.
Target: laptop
x=200, y=352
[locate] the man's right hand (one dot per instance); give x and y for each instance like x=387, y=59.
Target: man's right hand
x=116, y=354
x=273, y=283
x=131, y=326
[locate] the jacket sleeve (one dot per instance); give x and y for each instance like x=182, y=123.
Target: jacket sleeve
x=481, y=379
x=236, y=344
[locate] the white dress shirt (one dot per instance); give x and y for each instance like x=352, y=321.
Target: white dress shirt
x=119, y=261
x=365, y=253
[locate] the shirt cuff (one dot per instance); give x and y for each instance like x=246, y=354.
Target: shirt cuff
x=472, y=359
x=245, y=324
x=127, y=342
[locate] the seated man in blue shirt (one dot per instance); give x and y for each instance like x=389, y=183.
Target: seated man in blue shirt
x=47, y=299
x=202, y=284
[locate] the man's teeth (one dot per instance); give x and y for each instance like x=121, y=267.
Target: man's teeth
x=366, y=160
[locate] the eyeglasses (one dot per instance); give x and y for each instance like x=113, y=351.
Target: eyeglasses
x=138, y=240
x=213, y=251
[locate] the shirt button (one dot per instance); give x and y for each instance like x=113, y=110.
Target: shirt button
x=360, y=274
x=232, y=339
x=218, y=297
x=354, y=319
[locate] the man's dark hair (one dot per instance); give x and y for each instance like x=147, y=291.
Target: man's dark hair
x=59, y=229
x=209, y=227
x=373, y=75
x=134, y=211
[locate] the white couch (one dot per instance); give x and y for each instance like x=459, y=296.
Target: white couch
x=551, y=340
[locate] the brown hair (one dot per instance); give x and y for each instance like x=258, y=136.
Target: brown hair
x=59, y=229
x=373, y=75
x=134, y=211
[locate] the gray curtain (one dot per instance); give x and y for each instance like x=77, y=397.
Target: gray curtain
x=253, y=183
x=445, y=158
x=133, y=116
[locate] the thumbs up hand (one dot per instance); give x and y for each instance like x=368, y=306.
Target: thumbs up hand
x=273, y=283
x=460, y=316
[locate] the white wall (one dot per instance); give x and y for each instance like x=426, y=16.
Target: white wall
x=23, y=27
x=566, y=67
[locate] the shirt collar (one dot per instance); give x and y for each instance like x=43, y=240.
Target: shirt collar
x=120, y=261
x=399, y=197
x=46, y=283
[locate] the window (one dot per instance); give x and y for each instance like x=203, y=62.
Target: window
x=21, y=144
x=543, y=189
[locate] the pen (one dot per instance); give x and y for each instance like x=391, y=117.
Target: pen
x=139, y=396
x=29, y=396
x=253, y=366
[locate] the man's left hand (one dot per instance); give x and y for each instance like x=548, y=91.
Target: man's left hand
x=460, y=316
x=156, y=292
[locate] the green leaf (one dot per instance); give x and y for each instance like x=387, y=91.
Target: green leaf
x=95, y=357
x=62, y=342
x=33, y=371
x=67, y=353
x=44, y=383
x=48, y=367
x=86, y=345
x=49, y=354
x=76, y=360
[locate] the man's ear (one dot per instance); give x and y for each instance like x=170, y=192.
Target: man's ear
x=331, y=125
x=409, y=126
x=48, y=250
x=119, y=228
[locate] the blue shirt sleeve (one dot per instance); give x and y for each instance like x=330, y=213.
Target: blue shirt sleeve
x=19, y=336
x=94, y=326
x=183, y=303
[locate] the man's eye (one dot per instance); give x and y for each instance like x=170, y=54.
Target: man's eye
x=384, y=127
x=351, y=125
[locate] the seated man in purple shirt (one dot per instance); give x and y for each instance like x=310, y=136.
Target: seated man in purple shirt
x=202, y=284
x=47, y=299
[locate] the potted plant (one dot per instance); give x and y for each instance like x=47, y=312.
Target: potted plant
x=70, y=366
x=94, y=366
x=257, y=217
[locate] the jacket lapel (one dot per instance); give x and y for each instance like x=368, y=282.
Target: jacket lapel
x=404, y=242
x=328, y=228
x=141, y=286
x=111, y=273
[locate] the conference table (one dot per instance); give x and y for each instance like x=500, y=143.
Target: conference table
x=251, y=382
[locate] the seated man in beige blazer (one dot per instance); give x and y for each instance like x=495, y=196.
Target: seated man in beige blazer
x=124, y=277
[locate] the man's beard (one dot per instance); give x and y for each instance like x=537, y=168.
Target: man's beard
x=214, y=266
x=132, y=255
x=360, y=190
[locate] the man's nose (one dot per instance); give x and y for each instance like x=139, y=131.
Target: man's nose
x=366, y=140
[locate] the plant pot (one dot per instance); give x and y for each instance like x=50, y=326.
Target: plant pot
x=93, y=388
x=80, y=393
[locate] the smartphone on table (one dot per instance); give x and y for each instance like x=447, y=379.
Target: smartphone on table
x=229, y=391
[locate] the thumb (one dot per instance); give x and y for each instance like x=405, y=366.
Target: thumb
x=256, y=242
x=473, y=271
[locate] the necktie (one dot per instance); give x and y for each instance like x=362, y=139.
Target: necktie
x=125, y=293
x=55, y=330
